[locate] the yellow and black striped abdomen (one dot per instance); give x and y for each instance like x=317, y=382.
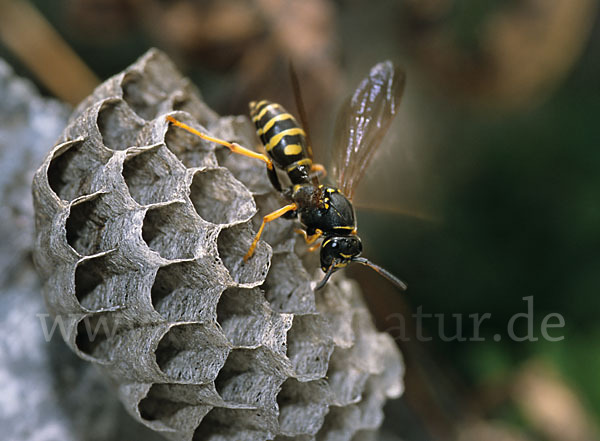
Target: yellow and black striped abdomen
x=282, y=137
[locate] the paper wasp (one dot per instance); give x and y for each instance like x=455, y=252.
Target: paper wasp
x=324, y=211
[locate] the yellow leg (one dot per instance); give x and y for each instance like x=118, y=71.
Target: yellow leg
x=309, y=239
x=268, y=218
x=315, y=247
x=319, y=170
x=235, y=148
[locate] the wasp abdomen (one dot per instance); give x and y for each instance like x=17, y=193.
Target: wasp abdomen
x=283, y=138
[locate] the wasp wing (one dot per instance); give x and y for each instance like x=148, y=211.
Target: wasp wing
x=301, y=109
x=363, y=122
x=303, y=117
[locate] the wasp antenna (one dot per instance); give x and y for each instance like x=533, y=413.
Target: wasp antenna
x=385, y=273
x=328, y=274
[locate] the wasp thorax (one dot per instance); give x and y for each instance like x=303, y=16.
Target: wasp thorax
x=339, y=251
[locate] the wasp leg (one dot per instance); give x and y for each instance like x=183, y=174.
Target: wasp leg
x=309, y=239
x=235, y=148
x=268, y=218
x=318, y=170
x=315, y=247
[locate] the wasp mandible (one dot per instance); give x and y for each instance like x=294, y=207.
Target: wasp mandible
x=325, y=212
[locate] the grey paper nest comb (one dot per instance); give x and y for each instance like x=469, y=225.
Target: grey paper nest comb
x=140, y=232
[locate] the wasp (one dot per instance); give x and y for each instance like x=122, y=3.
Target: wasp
x=325, y=212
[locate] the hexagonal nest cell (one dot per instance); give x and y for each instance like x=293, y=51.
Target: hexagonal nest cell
x=220, y=198
x=171, y=230
x=150, y=177
x=118, y=124
x=141, y=236
x=103, y=281
x=69, y=170
x=176, y=287
x=86, y=225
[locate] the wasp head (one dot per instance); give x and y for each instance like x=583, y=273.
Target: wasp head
x=338, y=251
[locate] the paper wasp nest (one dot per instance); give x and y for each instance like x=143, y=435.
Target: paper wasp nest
x=140, y=232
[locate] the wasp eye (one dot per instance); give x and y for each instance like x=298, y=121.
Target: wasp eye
x=334, y=245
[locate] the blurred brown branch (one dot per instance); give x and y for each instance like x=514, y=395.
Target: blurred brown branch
x=33, y=40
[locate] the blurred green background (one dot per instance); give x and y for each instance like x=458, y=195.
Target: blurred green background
x=492, y=168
